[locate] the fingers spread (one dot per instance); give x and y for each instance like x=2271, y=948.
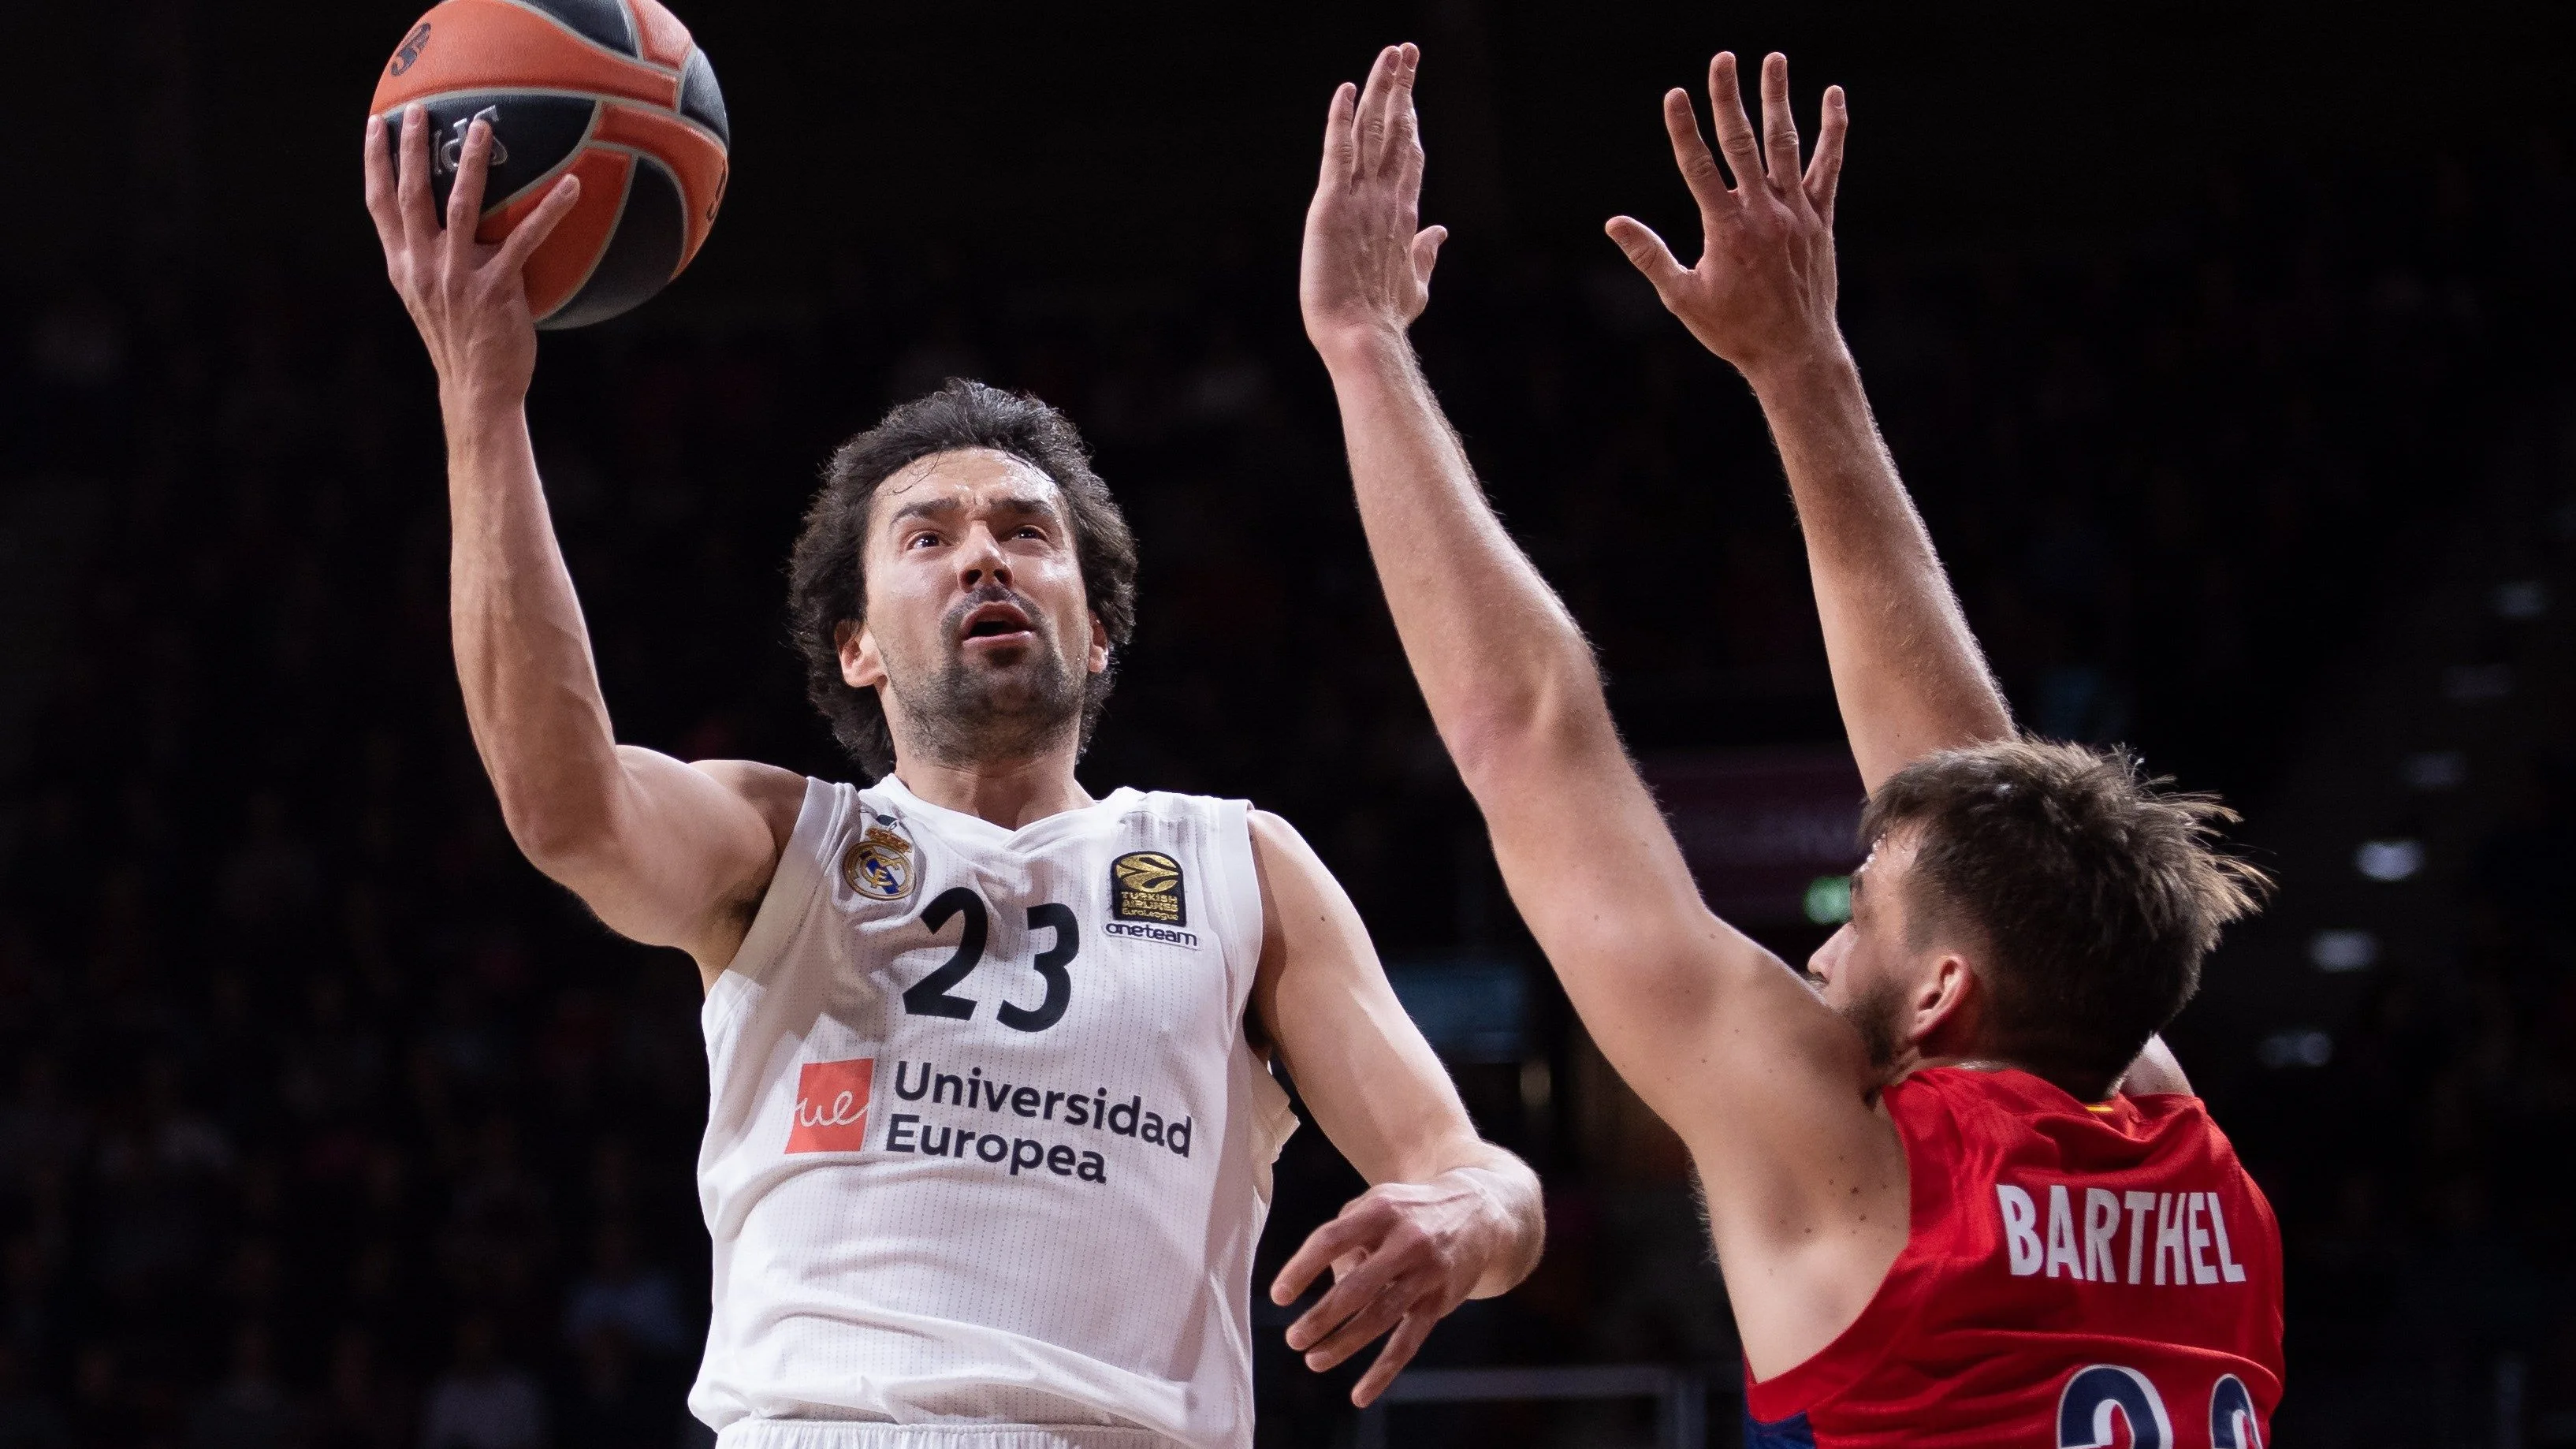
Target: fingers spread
x=1825, y=172
x=1726, y=113
x=1312, y=1257
x=420, y=218
x=1391, y=1359
x=380, y=186
x=1646, y=250
x=531, y=233
x=1381, y=1313
x=1699, y=169
x=1779, y=128
x=1353, y=1290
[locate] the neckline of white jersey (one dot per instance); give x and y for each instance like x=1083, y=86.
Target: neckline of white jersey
x=906, y=801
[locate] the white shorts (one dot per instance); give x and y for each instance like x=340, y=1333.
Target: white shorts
x=832, y=1434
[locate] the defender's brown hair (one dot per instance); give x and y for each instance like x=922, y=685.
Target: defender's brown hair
x=827, y=583
x=2094, y=889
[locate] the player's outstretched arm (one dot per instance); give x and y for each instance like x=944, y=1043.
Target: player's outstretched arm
x=1448, y=1216
x=666, y=853
x=1768, y=1086
x=1907, y=673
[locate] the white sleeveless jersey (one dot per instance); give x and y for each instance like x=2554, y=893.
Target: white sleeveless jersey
x=985, y=1141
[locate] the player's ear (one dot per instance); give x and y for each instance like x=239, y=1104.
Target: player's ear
x=1096, y=659
x=861, y=667
x=1947, y=1003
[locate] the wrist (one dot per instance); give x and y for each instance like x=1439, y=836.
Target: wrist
x=1362, y=347
x=475, y=416
x=1824, y=361
x=1503, y=1229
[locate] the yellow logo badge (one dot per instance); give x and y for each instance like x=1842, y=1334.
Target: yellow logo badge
x=879, y=864
x=1145, y=885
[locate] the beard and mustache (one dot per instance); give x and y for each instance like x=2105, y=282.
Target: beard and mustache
x=1874, y=1015
x=962, y=714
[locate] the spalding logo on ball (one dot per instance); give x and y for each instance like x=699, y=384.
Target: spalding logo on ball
x=613, y=91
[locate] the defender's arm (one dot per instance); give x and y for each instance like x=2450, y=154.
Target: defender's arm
x=666, y=853
x=1769, y=1087
x=1448, y=1215
x=1907, y=673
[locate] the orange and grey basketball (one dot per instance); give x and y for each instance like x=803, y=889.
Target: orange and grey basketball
x=613, y=91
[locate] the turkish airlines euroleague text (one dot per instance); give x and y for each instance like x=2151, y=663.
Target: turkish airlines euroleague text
x=832, y=1112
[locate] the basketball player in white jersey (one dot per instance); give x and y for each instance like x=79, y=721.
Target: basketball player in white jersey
x=991, y=1120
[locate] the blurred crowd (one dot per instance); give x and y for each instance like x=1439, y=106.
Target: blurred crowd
x=326, y=1122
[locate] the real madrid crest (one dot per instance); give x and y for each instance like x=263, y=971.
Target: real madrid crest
x=880, y=864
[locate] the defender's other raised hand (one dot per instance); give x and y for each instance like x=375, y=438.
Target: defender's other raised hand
x=1764, y=288
x=469, y=300
x=1366, y=271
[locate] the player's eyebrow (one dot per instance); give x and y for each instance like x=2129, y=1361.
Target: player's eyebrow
x=940, y=507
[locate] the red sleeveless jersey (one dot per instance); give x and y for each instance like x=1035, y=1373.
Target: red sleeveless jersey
x=2073, y=1276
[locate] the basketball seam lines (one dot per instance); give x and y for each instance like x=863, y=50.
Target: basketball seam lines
x=393, y=118
x=633, y=34
x=571, y=157
x=624, y=195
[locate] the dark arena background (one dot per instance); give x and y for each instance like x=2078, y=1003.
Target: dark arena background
x=2226, y=348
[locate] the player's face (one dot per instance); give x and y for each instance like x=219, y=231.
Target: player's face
x=978, y=626
x=1869, y=969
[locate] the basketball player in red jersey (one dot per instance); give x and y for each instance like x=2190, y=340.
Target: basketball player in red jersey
x=962, y=585
x=1953, y=1202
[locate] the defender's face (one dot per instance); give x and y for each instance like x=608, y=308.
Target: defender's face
x=975, y=598
x=1868, y=970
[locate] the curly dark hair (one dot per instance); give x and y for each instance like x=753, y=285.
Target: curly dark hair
x=827, y=582
x=2095, y=889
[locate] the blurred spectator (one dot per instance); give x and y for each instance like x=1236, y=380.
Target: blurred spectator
x=27, y=1419
x=250, y=1409
x=482, y=1403
x=360, y=1408
x=613, y=1405
x=638, y=1304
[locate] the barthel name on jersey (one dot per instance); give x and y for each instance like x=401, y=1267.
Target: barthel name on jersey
x=976, y=1092
x=2186, y=1244
x=879, y=864
x=1146, y=885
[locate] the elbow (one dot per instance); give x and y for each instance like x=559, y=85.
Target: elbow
x=560, y=834
x=1543, y=713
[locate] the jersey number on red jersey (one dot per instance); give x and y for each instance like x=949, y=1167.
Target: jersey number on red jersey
x=2094, y=1395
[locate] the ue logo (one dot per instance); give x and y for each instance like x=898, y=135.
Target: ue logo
x=832, y=1106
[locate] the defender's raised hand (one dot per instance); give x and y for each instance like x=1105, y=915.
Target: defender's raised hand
x=469, y=300
x=1764, y=287
x=1366, y=271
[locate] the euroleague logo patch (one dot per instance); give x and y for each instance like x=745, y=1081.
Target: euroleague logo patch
x=1146, y=885
x=832, y=1106
x=881, y=864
